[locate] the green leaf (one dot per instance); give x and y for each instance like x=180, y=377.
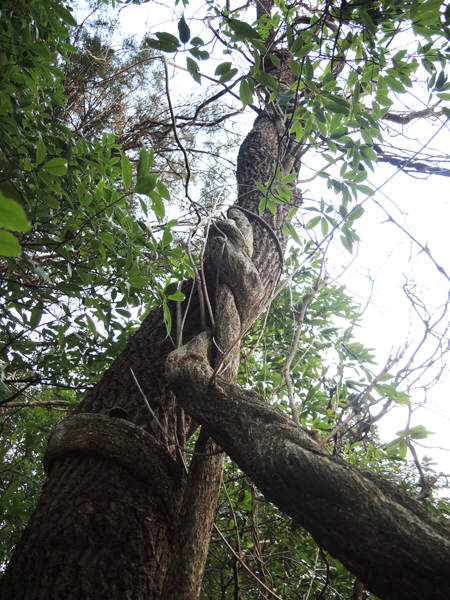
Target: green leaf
x=395, y=84
x=228, y=75
x=170, y=289
x=262, y=205
x=356, y=213
x=267, y=81
x=368, y=23
x=167, y=38
x=143, y=164
x=56, y=166
x=260, y=187
x=336, y=108
x=146, y=184
x=243, y=29
x=8, y=189
x=138, y=281
x=167, y=318
x=167, y=237
x=297, y=45
x=289, y=178
x=296, y=67
x=288, y=228
x=245, y=93
x=403, y=449
x=163, y=191
x=165, y=42
x=178, y=297
x=312, y=223
x=368, y=153
x=365, y=189
x=126, y=171
x=183, y=30
x=91, y=326
x=12, y=216
x=223, y=68
x=428, y=12
x=40, y=151
x=36, y=315
x=200, y=54
x=64, y=13
x=157, y=204
x=304, y=51
x=193, y=69
x=9, y=246
x=297, y=129
x=348, y=246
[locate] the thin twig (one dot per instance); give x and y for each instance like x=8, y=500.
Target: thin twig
x=179, y=337
x=425, y=492
x=311, y=583
x=411, y=237
x=198, y=281
x=175, y=133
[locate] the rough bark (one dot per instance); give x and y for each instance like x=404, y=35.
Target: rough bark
x=99, y=508
x=389, y=541
x=197, y=514
x=100, y=545
x=82, y=466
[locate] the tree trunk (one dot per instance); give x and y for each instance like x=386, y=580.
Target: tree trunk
x=105, y=522
x=392, y=543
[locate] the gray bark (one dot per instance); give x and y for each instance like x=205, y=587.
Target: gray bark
x=389, y=541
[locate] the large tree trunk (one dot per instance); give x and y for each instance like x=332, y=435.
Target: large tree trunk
x=394, y=545
x=105, y=523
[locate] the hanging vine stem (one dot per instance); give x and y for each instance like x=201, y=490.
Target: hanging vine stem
x=238, y=541
x=313, y=576
x=197, y=279
x=249, y=571
x=194, y=267
x=202, y=270
x=188, y=196
x=261, y=333
x=179, y=320
x=325, y=559
x=180, y=145
x=255, y=537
